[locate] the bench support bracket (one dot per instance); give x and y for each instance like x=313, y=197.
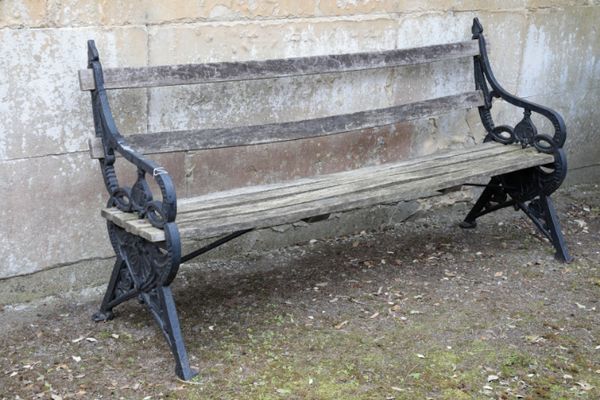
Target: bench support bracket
x=539, y=209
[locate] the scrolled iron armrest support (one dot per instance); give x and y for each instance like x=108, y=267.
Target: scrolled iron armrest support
x=139, y=197
x=524, y=184
x=525, y=132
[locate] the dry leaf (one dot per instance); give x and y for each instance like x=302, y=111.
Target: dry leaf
x=341, y=324
x=76, y=358
x=492, y=378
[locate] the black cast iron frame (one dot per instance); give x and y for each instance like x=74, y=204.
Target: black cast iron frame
x=527, y=190
x=144, y=269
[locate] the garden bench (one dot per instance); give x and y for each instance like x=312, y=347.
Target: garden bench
x=146, y=231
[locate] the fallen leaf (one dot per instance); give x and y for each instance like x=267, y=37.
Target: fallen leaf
x=283, y=391
x=374, y=315
x=56, y=397
x=420, y=355
x=492, y=378
x=534, y=339
x=341, y=325
x=91, y=339
x=76, y=358
x=585, y=386
x=79, y=339
x=498, y=274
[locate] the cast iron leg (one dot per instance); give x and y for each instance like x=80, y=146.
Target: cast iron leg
x=162, y=306
x=543, y=215
x=558, y=240
x=115, y=292
x=482, y=202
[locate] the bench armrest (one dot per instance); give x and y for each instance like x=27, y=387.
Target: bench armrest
x=525, y=132
x=139, y=197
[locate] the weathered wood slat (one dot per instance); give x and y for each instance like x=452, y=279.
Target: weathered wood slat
x=346, y=187
x=411, y=169
x=166, y=142
x=132, y=224
x=170, y=75
x=217, y=214
x=355, y=199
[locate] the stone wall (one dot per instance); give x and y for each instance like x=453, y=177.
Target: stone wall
x=544, y=50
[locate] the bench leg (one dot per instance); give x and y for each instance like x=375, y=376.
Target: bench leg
x=542, y=213
x=161, y=305
x=491, y=199
x=145, y=270
x=540, y=210
x=120, y=288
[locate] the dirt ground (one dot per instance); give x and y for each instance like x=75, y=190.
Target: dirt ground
x=423, y=310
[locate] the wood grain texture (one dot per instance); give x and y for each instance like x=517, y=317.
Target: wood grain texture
x=167, y=142
x=262, y=206
x=170, y=75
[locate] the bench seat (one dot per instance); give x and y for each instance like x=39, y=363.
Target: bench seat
x=223, y=212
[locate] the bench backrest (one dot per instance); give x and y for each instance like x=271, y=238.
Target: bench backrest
x=172, y=75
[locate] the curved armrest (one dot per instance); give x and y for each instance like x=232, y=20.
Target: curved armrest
x=525, y=131
x=139, y=197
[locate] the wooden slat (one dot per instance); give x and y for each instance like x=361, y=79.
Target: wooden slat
x=263, y=206
x=169, y=75
x=132, y=224
x=358, y=198
x=166, y=142
x=422, y=166
x=352, y=183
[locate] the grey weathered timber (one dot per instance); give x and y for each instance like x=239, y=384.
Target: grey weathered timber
x=170, y=75
x=267, y=205
x=167, y=142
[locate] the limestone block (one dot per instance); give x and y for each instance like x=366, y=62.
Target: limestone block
x=142, y=12
x=51, y=210
x=22, y=13
x=228, y=168
x=561, y=51
x=50, y=213
x=187, y=43
x=256, y=102
x=42, y=110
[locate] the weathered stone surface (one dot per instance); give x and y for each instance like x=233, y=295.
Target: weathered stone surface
x=221, y=169
x=22, y=13
x=51, y=210
x=50, y=213
x=543, y=49
x=141, y=12
x=42, y=110
x=560, y=52
x=177, y=44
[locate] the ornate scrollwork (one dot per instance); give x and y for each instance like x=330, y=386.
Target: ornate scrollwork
x=149, y=264
x=528, y=190
x=138, y=198
x=525, y=184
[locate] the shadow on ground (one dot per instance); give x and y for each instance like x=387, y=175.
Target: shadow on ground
x=423, y=310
